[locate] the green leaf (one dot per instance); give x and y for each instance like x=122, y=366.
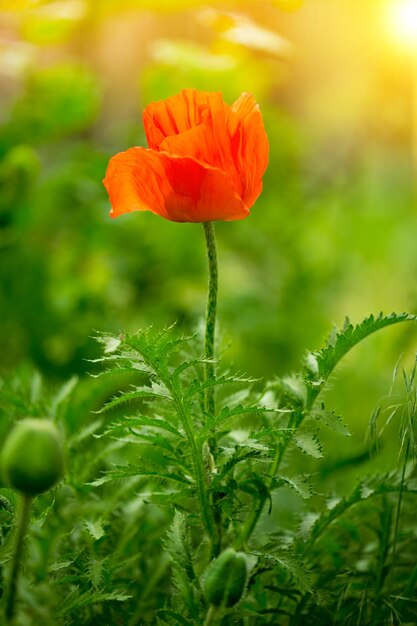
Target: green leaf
x=156, y=348
x=180, y=369
x=331, y=420
x=300, y=483
x=156, y=391
x=309, y=443
x=319, y=365
x=141, y=420
x=228, y=413
x=125, y=471
x=179, y=548
x=120, y=368
x=198, y=386
x=95, y=528
x=109, y=342
x=76, y=600
x=379, y=486
x=291, y=564
x=96, y=571
x=239, y=456
x=56, y=567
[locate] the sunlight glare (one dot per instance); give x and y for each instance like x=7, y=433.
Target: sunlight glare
x=402, y=22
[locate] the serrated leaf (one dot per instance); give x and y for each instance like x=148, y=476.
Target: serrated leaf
x=126, y=471
x=168, y=347
x=277, y=433
x=133, y=368
x=139, y=393
x=109, y=342
x=156, y=349
x=142, y=420
x=309, y=443
x=179, y=500
x=76, y=600
x=179, y=548
x=185, y=365
x=331, y=420
x=197, y=386
x=307, y=522
x=342, y=342
x=228, y=413
x=238, y=457
x=300, y=483
x=95, y=528
x=366, y=489
x=294, y=566
x=95, y=571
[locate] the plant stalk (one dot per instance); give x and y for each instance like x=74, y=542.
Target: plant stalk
x=201, y=483
x=209, y=395
x=22, y=526
x=197, y=459
x=212, y=616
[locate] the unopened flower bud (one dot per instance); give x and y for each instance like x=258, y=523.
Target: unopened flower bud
x=226, y=578
x=32, y=459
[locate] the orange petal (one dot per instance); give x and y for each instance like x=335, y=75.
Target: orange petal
x=180, y=189
x=195, y=124
x=176, y=114
x=250, y=145
x=200, y=125
x=208, y=144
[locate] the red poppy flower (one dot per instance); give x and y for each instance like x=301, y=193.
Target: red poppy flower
x=205, y=160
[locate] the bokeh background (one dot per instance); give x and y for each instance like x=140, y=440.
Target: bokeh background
x=333, y=234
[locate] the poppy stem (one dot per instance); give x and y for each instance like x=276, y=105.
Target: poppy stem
x=209, y=397
x=23, y=524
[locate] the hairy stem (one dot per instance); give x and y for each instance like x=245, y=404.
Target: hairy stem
x=196, y=455
x=209, y=397
x=22, y=526
x=201, y=483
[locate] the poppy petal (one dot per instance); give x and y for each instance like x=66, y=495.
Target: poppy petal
x=249, y=145
x=176, y=114
x=208, y=145
x=208, y=141
x=178, y=188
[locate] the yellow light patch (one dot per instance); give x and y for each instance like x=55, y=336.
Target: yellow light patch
x=401, y=20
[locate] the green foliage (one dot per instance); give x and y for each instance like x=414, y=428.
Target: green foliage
x=63, y=100
x=152, y=480
x=184, y=578
x=320, y=365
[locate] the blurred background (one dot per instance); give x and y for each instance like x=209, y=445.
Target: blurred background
x=333, y=234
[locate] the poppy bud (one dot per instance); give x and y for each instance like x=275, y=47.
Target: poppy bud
x=225, y=579
x=32, y=458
